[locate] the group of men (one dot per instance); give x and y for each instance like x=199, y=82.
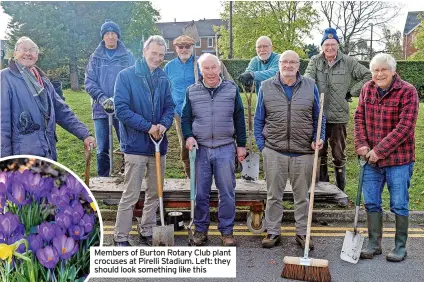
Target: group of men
x=208, y=113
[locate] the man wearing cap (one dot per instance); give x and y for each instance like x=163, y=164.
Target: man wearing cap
x=183, y=72
x=334, y=74
x=109, y=58
x=261, y=67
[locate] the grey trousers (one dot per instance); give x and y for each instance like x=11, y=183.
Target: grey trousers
x=136, y=166
x=280, y=168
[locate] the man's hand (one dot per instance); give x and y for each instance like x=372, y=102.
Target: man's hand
x=320, y=144
x=372, y=157
x=154, y=131
x=246, y=79
x=89, y=140
x=190, y=142
x=108, y=105
x=162, y=129
x=363, y=151
x=241, y=153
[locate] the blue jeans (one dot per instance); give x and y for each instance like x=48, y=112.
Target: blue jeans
x=398, y=182
x=101, y=128
x=217, y=162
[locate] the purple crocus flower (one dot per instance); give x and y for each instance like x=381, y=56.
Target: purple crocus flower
x=48, y=256
x=2, y=200
x=77, y=211
x=10, y=227
x=74, y=185
x=59, y=230
x=35, y=242
x=65, y=246
x=2, y=188
x=59, y=197
x=63, y=220
x=17, y=193
x=47, y=231
x=87, y=221
x=3, y=177
x=86, y=196
x=77, y=232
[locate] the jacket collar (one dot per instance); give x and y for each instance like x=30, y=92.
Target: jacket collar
x=100, y=51
x=396, y=83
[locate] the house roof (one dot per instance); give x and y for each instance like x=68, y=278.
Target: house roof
x=412, y=21
x=175, y=29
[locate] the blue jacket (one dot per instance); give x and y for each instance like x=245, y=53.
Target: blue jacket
x=181, y=76
x=263, y=71
x=101, y=72
x=23, y=127
x=137, y=109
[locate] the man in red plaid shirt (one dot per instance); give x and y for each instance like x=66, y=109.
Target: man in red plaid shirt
x=385, y=135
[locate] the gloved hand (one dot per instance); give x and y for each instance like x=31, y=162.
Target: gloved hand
x=246, y=79
x=108, y=105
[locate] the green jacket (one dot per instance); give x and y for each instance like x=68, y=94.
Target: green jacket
x=346, y=75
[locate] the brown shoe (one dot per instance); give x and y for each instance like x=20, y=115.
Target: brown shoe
x=270, y=240
x=301, y=240
x=228, y=240
x=200, y=238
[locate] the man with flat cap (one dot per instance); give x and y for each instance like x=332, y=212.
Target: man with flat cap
x=337, y=75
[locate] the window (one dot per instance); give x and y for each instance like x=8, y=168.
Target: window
x=210, y=41
x=198, y=43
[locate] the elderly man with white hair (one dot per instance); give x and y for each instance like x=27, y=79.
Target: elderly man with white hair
x=385, y=136
x=30, y=108
x=144, y=108
x=213, y=121
x=261, y=67
x=285, y=128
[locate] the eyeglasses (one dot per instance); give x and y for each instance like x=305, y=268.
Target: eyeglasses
x=292, y=63
x=382, y=70
x=184, y=46
x=329, y=45
x=262, y=46
x=31, y=50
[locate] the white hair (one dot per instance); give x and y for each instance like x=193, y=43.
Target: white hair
x=205, y=56
x=289, y=52
x=264, y=37
x=158, y=39
x=383, y=59
x=25, y=39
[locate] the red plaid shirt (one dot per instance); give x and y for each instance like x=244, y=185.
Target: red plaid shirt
x=387, y=124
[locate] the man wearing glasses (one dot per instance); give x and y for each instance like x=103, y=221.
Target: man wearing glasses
x=261, y=67
x=285, y=128
x=183, y=72
x=335, y=74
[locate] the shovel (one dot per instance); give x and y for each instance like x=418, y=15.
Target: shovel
x=352, y=244
x=87, y=154
x=250, y=164
x=162, y=235
x=110, y=113
x=192, y=155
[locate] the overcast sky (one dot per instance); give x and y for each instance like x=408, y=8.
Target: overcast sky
x=199, y=9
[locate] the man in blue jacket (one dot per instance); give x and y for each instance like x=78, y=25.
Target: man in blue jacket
x=213, y=116
x=109, y=58
x=183, y=72
x=261, y=67
x=30, y=108
x=144, y=107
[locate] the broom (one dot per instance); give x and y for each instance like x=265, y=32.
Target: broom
x=305, y=268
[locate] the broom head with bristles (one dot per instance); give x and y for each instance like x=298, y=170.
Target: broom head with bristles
x=313, y=270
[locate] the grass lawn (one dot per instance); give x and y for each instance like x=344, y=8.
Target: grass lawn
x=71, y=154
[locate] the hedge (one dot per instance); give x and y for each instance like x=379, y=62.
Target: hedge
x=411, y=71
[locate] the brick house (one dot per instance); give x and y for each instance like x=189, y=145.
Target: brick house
x=208, y=37
x=409, y=32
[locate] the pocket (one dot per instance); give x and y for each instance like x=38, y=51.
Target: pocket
x=27, y=124
x=30, y=144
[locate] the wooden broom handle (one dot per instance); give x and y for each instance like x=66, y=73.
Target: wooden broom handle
x=159, y=174
x=314, y=174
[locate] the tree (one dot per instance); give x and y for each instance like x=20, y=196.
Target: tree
x=419, y=42
x=286, y=23
x=311, y=50
x=67, y=32
x=392, y=43
x=352, y=19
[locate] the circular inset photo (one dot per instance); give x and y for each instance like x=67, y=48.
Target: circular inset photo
x=48, y=222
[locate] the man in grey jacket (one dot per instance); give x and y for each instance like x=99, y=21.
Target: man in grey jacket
x=285, y=128
x=337, y=75
x=109, y=58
